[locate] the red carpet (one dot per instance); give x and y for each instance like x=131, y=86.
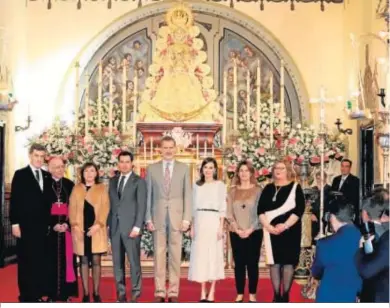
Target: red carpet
x=189, y=292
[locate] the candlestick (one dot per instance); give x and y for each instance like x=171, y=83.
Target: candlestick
x=151, y=148
x=100, y=90
x=205, y=149
x=197, y=147
x=124, y=80
x=224, y=128
x=212, y=150
x=110, y=104
x=86, y=103
x=145, y=152
x=258, y=98
x=135, y=106
x=248, y=98
x=282, y=97
x=235, y=118
x=77, y=97
x=271, y=108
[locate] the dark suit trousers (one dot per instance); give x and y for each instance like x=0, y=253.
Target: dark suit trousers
x=122, y=245
x=246, y=255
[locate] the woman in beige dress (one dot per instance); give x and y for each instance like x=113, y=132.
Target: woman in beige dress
x=88, y=212
x=245, y=232
x=209, y=207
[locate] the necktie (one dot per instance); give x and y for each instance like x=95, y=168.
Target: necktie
x=37, y=175
x=167, y=179
x=120, y=188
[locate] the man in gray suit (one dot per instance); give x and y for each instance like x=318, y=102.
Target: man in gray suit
x=168, y=215
x=127, y=212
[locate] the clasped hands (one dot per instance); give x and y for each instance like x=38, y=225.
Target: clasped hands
x=60, y=228
x=244, y=233
x=276, y=230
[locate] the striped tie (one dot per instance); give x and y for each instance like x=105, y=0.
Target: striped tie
x=167, y=179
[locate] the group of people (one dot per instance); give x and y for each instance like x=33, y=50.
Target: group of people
x=59, y=224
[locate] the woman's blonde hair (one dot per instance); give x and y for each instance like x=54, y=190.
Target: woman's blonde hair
x=236, y=180
x=289, y=168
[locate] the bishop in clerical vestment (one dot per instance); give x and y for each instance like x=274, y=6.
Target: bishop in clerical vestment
x=62, y=280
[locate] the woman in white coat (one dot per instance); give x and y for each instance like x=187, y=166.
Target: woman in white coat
x=209, y=208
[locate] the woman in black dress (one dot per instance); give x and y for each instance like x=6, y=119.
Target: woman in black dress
x=88, y=212
x=280, y=208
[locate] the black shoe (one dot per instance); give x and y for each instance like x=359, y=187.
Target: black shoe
x=277, y=298
x=96, y=298
x=86, y=299
x=50, y=300
x=240, y=301
x=203, y=300
x=285, y=298
x=121, y=299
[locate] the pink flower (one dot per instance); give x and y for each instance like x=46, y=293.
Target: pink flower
x=293, y=141
x=264, y=171
x=116, y=152
x=291, y=157
x=237, y=151
x=300, y=159
x=257, y=173
x=338, y=155
x=260, y=151
x=90, y=150
x=68, y=140
x=315, y=160
x=65, y=156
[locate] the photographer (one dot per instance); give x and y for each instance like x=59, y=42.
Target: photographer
x=334, y=261
x=372, y=261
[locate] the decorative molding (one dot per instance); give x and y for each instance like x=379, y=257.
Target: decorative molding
x=109, y=3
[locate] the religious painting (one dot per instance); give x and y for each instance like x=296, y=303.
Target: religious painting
x=236, y=49
x=132, y=55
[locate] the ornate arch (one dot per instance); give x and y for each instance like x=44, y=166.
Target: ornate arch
x=217, y=20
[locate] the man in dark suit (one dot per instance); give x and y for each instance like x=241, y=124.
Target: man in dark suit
x=127, y=214
x=334, y=260
x=29, y=215
x=349, y=186
x=374, y=267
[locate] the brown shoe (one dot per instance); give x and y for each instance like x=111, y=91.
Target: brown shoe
x=159, y=299
x=173, y=300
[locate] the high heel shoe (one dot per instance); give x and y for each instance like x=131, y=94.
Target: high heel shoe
x=86, y=299
x=277, y=298
x=97, y=298
x=204, y=300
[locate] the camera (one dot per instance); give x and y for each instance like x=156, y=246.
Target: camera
x=367, y=230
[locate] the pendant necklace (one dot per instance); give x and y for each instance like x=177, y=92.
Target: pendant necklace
x=276, y=193
x=57, y=191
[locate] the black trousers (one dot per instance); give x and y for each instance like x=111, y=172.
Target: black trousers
x=246, y=255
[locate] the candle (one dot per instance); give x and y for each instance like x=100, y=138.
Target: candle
x=235, y=119
x=124, y=80
x=205, y=149
x=248, y=98
x=197, y=147
x=110, y=105
x=282, y=97
x=86, y=102
x=258, y=97
x=77, y=98
x=271, y=108
x=151, y=148
x=135, y=110
x=100, y=90
x=224, y=128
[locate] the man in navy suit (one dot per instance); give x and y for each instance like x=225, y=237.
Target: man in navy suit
x=334, y=261
x=374, y=267
x=349, y=186
x=29, y=215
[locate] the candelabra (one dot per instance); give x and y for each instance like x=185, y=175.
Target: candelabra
x=346, y=131
x=23, y=128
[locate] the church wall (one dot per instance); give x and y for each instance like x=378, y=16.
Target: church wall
x=44, y=43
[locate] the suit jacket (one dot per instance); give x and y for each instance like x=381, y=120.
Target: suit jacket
x=129, y=211
x=350, y=190
x=177, y=202
x=334, y=265
x=374, y=269
x=97, y=196
x=28, y=206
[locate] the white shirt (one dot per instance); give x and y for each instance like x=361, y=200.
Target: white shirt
x=127, y=176
x=343, y=178
x=40, y=176
x=171, y=163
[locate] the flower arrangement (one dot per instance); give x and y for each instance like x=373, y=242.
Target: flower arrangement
x=59, y=140
x=297, y=143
